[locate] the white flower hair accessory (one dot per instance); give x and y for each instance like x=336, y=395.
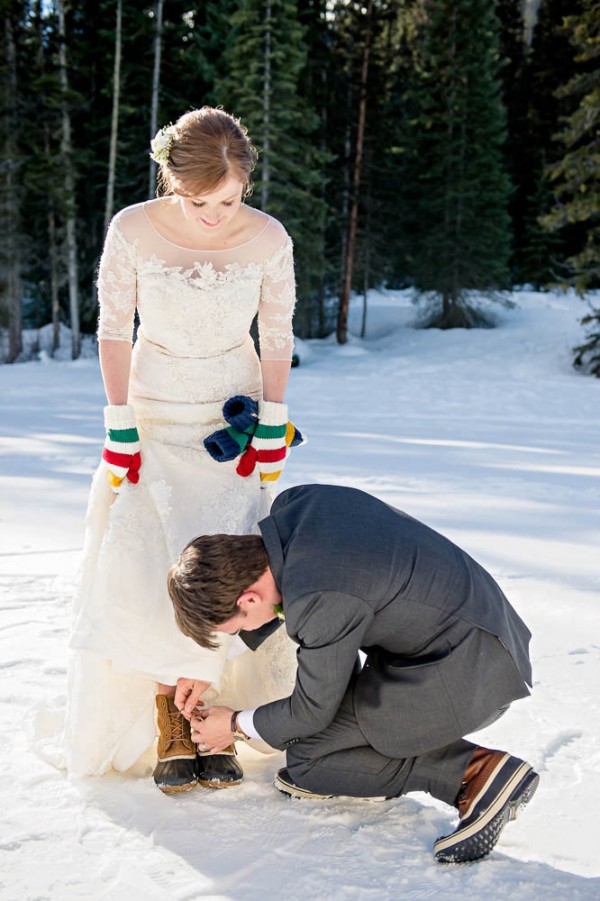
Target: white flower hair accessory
x=162, y=143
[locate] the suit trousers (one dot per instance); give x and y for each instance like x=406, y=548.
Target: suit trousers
x=340, y=761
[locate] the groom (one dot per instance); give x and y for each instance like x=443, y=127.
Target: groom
x=444, y=654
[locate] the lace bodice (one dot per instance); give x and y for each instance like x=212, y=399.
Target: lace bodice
x=196, y=303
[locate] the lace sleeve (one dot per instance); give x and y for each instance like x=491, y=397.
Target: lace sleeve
x=276, y=307
x=117, y=286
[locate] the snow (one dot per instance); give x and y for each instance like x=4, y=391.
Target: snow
x=489, y=436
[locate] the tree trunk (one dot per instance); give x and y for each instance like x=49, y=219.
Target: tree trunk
x=266, y=136
x=367, y=260
x=114, y=128
x=53, y=254
x=51, y=213
x=11, y=249
x=367, y=267
x=342, y=324
x=321, y=293
x=54, y=297
x=158, y=15
x=69, y=186
x=345, y=205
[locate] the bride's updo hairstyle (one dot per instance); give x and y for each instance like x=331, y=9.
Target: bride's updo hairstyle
x=209, y=146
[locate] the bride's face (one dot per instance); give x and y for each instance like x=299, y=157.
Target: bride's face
x=213, y=211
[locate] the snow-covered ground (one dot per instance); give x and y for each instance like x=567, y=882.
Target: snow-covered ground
x=488, y=436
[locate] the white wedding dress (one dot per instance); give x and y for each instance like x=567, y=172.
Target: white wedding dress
x=193, y=351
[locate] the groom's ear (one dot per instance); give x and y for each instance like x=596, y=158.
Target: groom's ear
x=247, y=600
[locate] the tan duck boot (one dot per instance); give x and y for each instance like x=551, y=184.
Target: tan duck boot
x=219, y=770
x=176, y=767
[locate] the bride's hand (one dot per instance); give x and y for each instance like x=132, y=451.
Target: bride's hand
x=187, y=695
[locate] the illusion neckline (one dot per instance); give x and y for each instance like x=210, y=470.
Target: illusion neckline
x=199, y=249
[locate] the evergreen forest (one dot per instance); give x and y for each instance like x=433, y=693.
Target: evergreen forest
x=449, y=146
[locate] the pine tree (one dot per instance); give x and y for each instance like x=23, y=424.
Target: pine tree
x=338, y=44
x=514, y=54
x=205, y=59
x=576, y=176
x=92, y=57
x=10, y=186
x=454, y=203
x=43, y=176
x=69, y=187
x=266, y=62
x=114, y=127
x=550, y=65
x=158, y=38
x=342, y=323
x=316, y=318
x=46, y=202
x=390, y=151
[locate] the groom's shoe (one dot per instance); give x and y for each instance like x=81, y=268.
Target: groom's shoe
x=219, y=770
x=495, y=788
x=283, y=783
x=176, y=767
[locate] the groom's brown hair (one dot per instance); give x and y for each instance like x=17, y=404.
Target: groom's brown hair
x=211, y=573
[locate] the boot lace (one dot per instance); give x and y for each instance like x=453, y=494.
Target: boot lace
x=178, y=729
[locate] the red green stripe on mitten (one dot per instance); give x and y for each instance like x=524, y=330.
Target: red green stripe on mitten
x=121, y=454
x=248, y=460
x=269, y=439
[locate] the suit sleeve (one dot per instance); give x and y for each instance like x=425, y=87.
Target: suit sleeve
x=329, y=628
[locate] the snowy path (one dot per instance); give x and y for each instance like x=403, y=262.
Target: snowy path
x=488, y=436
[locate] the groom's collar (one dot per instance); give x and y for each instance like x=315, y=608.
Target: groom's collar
x=272, y=543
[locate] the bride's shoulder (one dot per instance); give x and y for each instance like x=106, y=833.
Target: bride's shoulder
x=270, y=232
x=133, y=219
x=130, y=213
x=130, y=220
x=140, y=225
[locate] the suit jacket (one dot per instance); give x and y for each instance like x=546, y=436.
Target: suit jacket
x=444, y=648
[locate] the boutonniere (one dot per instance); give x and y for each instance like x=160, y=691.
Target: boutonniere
x=279, y=612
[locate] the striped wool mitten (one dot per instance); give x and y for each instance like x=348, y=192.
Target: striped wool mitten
x=269, y=439
x=248, y=460
x=241, y=412
x=237, y=439
x=121, y=454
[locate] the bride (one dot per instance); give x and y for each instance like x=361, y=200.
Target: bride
x=197, y=265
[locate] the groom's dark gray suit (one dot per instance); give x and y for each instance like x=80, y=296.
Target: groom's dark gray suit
x=445, y=651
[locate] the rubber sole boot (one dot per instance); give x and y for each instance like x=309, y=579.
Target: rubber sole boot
x=176, y=767
x=219, y=770
x=283, y=783
x=493, y=797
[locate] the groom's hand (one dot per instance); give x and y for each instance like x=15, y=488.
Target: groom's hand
x=211, y=729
